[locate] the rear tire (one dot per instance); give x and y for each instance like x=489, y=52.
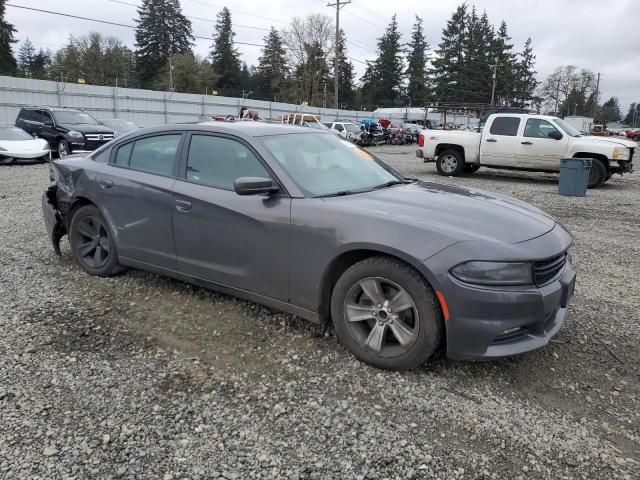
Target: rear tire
x=450, y=163
x=406, y=328
x=92, y=243
x=597, y=174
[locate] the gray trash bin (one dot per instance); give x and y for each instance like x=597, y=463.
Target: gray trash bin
x=574, y=176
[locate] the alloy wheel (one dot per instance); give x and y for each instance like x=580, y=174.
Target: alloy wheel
x=449, y=164
x=92, y=242
x=63, y=150
x=381, y=316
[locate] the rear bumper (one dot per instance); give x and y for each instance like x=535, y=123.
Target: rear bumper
x=419, y=153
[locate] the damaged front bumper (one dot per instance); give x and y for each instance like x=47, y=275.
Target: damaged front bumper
x=53, y=218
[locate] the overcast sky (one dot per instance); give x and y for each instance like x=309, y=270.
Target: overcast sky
x=603, y=36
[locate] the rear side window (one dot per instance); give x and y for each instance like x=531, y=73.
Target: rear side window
x=339, y=127
x=506, y=126
x=218, y=161
x=152, y=154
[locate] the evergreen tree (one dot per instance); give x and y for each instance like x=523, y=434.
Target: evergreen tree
x=40, y=64
x=26, y=57
x=417, y=89
x=346, y=91
x=631, y=114
x=476, y=71
x=316, y=70
x=225, y=59
x=525, y=82
x=7, y=60
x=272, y=72
x=506, y=67
x=162, y=31
x=609, y=111
x=449, y=60
x=382, y=81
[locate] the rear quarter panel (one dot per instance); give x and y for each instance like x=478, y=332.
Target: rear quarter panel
x=469, y=141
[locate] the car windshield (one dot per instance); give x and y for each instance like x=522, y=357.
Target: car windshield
x=572, y=132
x=13, y=133
x=325, y=165
x=74, y=117
x=120, y=125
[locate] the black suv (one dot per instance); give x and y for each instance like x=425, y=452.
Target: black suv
x=66, y=129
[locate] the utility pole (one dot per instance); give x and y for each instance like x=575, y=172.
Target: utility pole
x=557, y=98
x=493, y=88
x=324, y=100
x=595, y=98
x=170, y=73
x=336, y=66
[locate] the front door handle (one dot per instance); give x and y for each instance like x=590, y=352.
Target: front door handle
x=526, y=143
x=106, y=183
x=492, y=140
x=183, y=205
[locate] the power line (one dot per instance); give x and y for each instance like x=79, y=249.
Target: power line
x=368, y=10
x=107, y=22
x=197, y=18
x=274, y=20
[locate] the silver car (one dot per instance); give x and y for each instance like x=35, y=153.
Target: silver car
x=302, y=221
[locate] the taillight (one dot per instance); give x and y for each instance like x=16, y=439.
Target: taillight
x=421, y=140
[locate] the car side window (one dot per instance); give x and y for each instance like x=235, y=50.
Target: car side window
x=339, y=127
x=219, y=161
x=505, y=126
x=44, y=116
x=538, y=128
x=151, y=154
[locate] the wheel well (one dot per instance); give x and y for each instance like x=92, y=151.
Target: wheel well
x=596, y=156
x=337, y=267
x=75, y=205
x=449, y=146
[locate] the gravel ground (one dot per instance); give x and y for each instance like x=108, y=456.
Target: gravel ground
x=140, y=376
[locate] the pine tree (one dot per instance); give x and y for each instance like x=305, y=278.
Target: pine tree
x=382, y=81
x=476, y=72
x=7, y=60
x=272, y=72
x=416, y=72
x=449, y=60
x=26, y=57
x=506, y=67
x=162, y=31
x=525, y=82
x=609, y=111
x=40, y=64
x=631, y=114
x=225, y=59
x=346, y=90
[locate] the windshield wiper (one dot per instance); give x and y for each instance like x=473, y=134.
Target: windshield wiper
x=391, y=183
x=341, y=193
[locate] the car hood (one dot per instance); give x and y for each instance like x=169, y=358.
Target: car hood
x=462, y=213
x=85, y=128
x=35, y=145
x=616, y=142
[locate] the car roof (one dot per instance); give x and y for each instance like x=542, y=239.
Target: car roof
x=246, y=128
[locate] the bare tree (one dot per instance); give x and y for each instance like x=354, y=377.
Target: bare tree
x=569, y=91
x=310, y=41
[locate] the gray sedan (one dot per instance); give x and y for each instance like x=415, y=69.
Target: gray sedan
x=305, y=222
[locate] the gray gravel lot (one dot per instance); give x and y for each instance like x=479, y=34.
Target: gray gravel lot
x=140, y=376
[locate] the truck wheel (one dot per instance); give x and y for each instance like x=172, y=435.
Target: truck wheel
x=597, y=174
x=450, y=163
x=471, y=168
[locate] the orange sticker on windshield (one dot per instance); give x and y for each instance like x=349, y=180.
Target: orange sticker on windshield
x=364, y=154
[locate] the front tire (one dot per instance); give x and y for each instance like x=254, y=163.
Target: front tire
x=450, y=163
x=597, y=174
x=636, y=138
x=92, y=243
x=63, y=149
x=385, y=314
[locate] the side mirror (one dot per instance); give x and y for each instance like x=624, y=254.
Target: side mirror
x=48, y=123
x=254, y=186
x=556, y=135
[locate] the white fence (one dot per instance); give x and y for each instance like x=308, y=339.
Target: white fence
x=144, y=107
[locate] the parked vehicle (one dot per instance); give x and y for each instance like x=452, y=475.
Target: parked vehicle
x=524, y=142
x=348, y=130
x=633, y=135
x=68, y=130
x=599, y=131
x=119, y=125
x=414, y=130
x=304, y=120
x=15, y=143
x=302, y=221
x=373, y=133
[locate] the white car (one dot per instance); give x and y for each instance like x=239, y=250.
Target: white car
x=348, y=130
x=16, y=143
x=524, y=142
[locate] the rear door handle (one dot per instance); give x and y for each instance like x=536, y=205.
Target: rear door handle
x=106, y=183
x=183, y=205
x=526, y=143
x=492, y=140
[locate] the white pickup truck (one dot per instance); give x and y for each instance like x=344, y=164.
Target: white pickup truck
x=524, y=142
